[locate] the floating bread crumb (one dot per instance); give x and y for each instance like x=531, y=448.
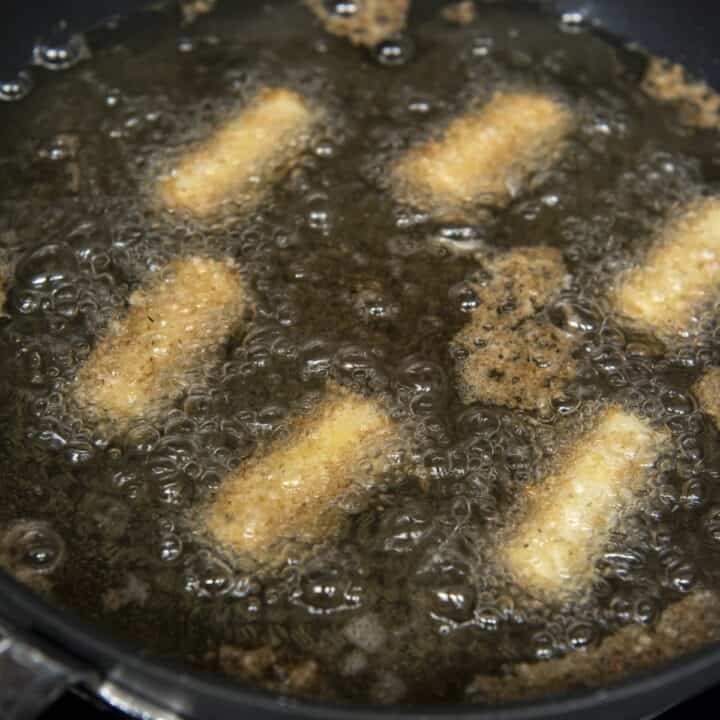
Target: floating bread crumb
x=291, y=493
x=485, y=155
x=511, y=358
x=243, y=156
x=668, y=291
x=187, y=311
x=460, y=13
x=683, y=627
x=697, y=103
x=371, y=22
x=567, y=517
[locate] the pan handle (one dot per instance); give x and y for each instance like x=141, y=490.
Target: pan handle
x=32, y=678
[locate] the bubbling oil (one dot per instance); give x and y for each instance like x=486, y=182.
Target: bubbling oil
x=407, y=603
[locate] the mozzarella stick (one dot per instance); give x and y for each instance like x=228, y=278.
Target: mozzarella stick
x=292, y=491
x=485, y=155
x=243, y=155
x=707, y=391
x=567, y=518
x=681, y=273
x=144, y=358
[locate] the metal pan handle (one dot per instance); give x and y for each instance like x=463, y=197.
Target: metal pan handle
x=32, y=678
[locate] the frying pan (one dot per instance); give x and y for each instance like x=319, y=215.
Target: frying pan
x=44, y=650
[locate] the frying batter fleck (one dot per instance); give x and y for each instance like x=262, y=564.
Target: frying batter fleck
x=367, y=23
x=485, y=155
x=291, y=492
x=566, y=519
x=509, y=356
x=243, y=156
x=187, y=311
x=668, y=291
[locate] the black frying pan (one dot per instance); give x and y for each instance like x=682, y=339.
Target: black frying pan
x=44, y=650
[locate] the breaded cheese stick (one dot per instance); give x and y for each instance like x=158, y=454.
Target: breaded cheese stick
x=707, y=391
x=243, y=155
x=291, y=492
x=567, y=518
x=184, y=314
x=680, y=274
x=510, y=357
x=483, y=155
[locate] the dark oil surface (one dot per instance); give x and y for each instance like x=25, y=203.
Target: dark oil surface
x=406, y=603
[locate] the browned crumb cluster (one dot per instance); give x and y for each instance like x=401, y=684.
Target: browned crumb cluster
x=292, y=492
x=371, y=22
x=698, y=104
x=460, y=13
x=683, y=627
x=273, y=669
x=511, y=357
x=707, y=391
x=172, y=325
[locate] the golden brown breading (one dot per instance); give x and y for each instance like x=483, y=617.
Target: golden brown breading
x=565, y=520
x=243, y=155
x=292, y=491
x=666, y=293
x=697, y=103
x=484, y=155
x=685, y=626
x=707, y=391
x=512, y=358
x=371, y=22
x=188, y=310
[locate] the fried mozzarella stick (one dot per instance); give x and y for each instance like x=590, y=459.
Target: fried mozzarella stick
x=568, y=517
x=292, y=491
x=184, y=314
x=243, y=155
x=483, y=155
x=680, y=274
x=707, y=391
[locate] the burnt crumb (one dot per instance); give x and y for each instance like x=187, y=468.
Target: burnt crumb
x=366, y=23
x=460, y=13
x=683, y=627
x=697, y=103
x=275, y=669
